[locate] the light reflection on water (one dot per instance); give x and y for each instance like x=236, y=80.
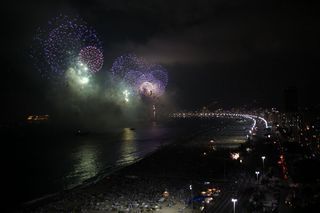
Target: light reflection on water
x=86, y=163
x=128, y=149
x=90, y=157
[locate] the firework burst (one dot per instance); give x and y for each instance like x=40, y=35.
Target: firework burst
x=160, y=74
x=143, y=78
x=131, y=79
x=92, y=57
x=126, y=63
x=149, y=86
x=58, y=46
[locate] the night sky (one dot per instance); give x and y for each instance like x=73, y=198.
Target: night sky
x=233, y=52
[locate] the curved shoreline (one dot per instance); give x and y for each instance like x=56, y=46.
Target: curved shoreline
x=34, y=203
x=117, y=172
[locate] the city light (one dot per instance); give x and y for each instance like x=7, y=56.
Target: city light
x=234, y=200
x=263, y=158
x=165, y=194
x=257, y=173
x=235, y=156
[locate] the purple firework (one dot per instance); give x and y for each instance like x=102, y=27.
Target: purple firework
x=149, y=86
x=131, y=78
x=58, y=45
x=126, y=63
x=92, y=57
x=160, y=74
x=148, y=80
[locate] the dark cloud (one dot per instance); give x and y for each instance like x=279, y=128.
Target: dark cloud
x=200, y=32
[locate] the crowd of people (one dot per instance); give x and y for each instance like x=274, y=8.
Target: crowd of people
x=124, y=194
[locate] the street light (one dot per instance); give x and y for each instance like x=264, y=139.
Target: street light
x=234, y=200
x=263, y=158
x=257, y=173
x=190, y=187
